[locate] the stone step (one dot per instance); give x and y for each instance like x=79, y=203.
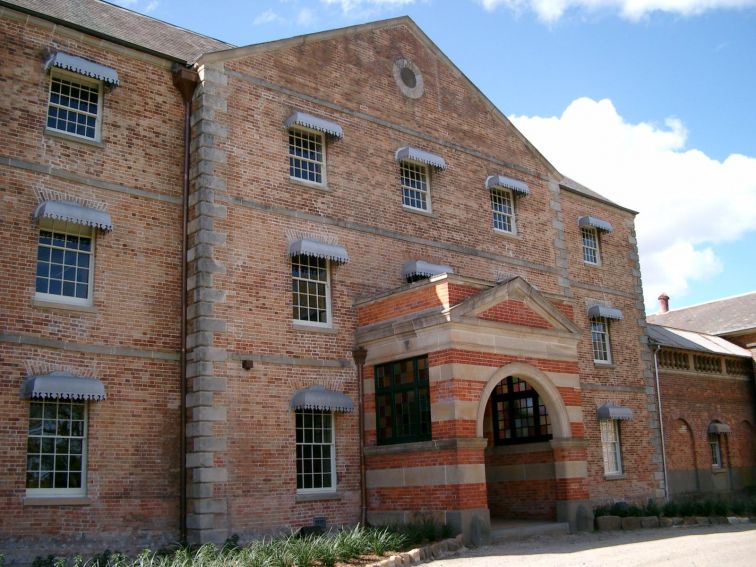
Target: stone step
x=523, y=530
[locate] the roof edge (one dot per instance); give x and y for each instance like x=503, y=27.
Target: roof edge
x=98, y=34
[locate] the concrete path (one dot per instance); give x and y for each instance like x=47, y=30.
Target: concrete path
x=699, y=546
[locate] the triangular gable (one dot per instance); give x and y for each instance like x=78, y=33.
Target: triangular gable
x=514, y=302
x=269, y=49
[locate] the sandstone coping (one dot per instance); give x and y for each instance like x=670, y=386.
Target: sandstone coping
x=432, y=551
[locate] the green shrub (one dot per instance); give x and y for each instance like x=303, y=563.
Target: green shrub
x=687, y=508
x=652, y=508
x=720, y=507
x=671, y=509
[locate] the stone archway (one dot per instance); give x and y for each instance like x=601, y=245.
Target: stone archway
x=538, y=479
x=560, y=420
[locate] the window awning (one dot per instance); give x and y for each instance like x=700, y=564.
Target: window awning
x=83, y=66
x=719, y=428
x=601, y=312
x=408, y=153
x=424, y=269
x=593, y=222
x=75, y=213
x=502, y=181
x=614, y=412
x=62, y=385
x=311, y=247
x=316, y=123
x=318, y=398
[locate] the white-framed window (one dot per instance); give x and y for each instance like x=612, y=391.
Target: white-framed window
x=311, y=290
x=591, y=253
x=611, y=446
x=65, y=262
x=56, y=449
x=74, y=105
x=316, y=451
x=502, y=209
x=307, y=157
x=415, y=185
x=716, y=451
x=600, y=340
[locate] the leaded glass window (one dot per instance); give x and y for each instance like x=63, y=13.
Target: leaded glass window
x=519, y=415
x=402, y=399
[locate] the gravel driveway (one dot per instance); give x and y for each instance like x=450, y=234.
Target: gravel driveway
x=721, y=546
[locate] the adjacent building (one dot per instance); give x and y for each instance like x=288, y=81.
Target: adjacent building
x=706, y=377
x=314, y=281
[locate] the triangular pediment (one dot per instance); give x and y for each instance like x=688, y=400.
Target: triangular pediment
x=352, y=68
x=514, y=302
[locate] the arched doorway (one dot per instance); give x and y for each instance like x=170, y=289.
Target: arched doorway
x=521, y=413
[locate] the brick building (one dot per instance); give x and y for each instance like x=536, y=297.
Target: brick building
x=392, y=305
x=706, y=378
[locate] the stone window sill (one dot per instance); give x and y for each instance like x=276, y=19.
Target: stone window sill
x=317, y=497
x=57, y=501
x=44, y=304
x=313, y=328
x=620, y=476
x=311, y=184
x=718, y=470
x=607, y=365
x=419, y=212
x=70, y=138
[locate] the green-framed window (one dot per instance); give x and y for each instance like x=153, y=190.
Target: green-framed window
x=402, y=401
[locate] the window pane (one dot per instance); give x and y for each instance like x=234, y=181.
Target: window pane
x=314, y=450
x=402, y=401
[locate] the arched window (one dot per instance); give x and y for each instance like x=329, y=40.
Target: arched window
x=519, y=414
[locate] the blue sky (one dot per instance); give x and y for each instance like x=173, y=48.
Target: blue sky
x=649, y=102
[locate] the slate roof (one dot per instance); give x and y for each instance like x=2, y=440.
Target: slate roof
x=721, y=317
x=678, y=338
x=125, y=25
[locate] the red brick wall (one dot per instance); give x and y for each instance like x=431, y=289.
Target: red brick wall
x=516, y=313
x=133, y=436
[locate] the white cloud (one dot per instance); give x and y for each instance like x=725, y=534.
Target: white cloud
x=266, y=17
x=151, y=7
x=687, y=200
x=349, y=6
x=305, y=17
x=552, y=10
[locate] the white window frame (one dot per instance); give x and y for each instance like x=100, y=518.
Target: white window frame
x=715, y=447
x=63, y=492
x=77, y=79
x=591, y=245
x=328, y=322
x=505, y=194
x=332, y=445
x=295, y=130
x=423, y=170
x=611, y=446
x=600, y=330
x=66, y=228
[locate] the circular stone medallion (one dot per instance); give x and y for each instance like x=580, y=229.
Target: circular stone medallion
x=408, y=78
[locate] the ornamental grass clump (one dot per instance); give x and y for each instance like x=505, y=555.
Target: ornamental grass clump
x=296, y=550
